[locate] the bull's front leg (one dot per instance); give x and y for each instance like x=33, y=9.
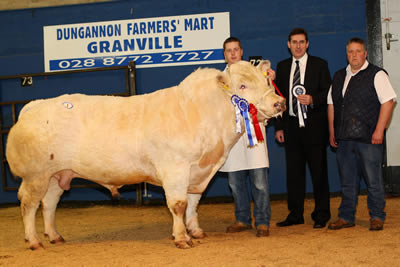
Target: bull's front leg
x=181, y=238
x=176, y=193
x=192, y=222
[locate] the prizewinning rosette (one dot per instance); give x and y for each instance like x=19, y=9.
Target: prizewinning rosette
x=301, y=109
x=252, y=126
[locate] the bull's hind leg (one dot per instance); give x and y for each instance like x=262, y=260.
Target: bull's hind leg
x=192, y=222
x=49, y=205
x=30, y=193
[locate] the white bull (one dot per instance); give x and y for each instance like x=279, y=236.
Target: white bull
x=176, y=138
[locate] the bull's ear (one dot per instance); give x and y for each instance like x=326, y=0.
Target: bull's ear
x=224, y=83
x=264, y=65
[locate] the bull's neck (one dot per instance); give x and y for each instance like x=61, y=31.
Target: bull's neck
x=232, y=128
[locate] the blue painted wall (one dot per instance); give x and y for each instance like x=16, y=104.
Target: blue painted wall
x=263, y=27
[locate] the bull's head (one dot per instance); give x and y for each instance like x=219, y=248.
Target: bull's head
x=256, y=87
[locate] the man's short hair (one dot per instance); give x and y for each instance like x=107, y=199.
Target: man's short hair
x=298, y=31
x=232, y=39
x=357, y=40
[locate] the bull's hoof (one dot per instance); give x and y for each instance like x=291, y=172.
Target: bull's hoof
x=183, y=244
x=36, y=246
x=198, y=234
x=58, y=240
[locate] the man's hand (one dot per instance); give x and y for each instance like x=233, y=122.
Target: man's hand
x=279, y=136
x=377, y=137
x=305, y=99
x=271, y=74
x=332, y=141
x=385, y=114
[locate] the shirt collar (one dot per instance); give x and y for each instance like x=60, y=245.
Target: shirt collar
x=349, y=72
x=302, y=60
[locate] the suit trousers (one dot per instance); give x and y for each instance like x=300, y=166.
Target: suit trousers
x=299, y=154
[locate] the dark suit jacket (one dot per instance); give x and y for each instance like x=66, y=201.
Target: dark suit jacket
x=317, y=81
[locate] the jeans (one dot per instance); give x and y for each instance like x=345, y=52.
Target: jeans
x=259, y=185
x=356, y=160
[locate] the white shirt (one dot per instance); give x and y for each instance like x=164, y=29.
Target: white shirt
x=382, y=84
x=302, y=66
x=242, y=157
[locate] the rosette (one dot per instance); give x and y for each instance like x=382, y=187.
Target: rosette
x=244, y=107
x=301, y=109
x=235, y=100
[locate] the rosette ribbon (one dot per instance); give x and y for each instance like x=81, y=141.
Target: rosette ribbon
x=257, y=129
x=244, y=107
x=235, y=100
x=241, y=108
x=301, y=109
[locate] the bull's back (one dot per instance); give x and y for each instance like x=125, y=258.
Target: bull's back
x=112, y=137
x=94, y=135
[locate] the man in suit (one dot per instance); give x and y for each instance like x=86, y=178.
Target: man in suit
x=306, y=138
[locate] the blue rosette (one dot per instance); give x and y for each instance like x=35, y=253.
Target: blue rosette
x=244, y=108
x=235, y=100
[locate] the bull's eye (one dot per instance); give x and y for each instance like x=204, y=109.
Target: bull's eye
x=243, y=86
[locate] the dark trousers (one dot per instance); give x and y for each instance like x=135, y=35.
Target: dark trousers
x=298, y=156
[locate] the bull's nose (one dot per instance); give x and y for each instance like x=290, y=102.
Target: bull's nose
x=283, y=105
x=280, y=106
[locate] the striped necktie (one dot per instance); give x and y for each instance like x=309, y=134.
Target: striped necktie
x=296, y=81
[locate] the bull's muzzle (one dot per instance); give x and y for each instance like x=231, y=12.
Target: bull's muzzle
x=280, y=106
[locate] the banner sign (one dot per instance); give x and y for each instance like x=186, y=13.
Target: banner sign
x=151, y=42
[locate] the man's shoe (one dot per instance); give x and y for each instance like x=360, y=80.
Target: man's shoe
x=318, y=225
x=262, y=230
x=288, y=223
x=237, y=227
x=339, y=224
x=376, y=225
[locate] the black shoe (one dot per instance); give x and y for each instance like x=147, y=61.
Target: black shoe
x=318, y=225
x=288, y=223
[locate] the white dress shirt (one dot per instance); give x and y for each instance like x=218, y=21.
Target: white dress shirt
x=302, y=66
